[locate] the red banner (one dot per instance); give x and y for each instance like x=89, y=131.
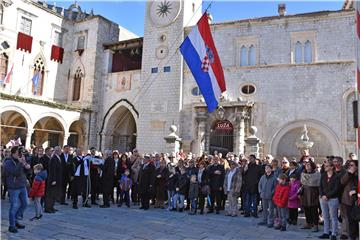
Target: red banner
x=223, y=125
x=24, y=42
x=57, y=53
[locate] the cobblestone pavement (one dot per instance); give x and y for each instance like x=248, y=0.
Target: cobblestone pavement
x=123, y=223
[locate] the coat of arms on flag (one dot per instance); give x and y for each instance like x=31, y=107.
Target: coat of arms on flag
x=207, y=60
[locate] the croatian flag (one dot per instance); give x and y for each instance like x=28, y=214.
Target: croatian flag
x=8, y=75
x=203, y=60
x=35, y=80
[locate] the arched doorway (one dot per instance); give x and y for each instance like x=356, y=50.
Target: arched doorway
x=325, y=140
x=222, y=137
x=77, y=134
x=48, y=132
x=13, y=126
x=120, y=130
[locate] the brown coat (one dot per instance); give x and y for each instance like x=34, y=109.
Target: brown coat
x=236, y=182
x=309, y=196
x=348, y=181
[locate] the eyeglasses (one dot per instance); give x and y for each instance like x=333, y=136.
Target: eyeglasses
x=327, y=165
x=352, y=165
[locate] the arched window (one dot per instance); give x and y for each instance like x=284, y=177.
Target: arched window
x=298, y=52
x=77, y=85
x=3, y=66
x=308, y=52
x=243, y=56
x=252, y=55
x=38, y=77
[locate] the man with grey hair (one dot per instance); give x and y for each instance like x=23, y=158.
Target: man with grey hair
x=53, y=185
x=108, y=169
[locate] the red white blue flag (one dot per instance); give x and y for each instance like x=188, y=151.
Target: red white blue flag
x=203, y=60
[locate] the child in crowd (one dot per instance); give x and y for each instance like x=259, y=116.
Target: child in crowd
x=280, y=199
x=38, y=189
x=294, y=199
x=125, y=186
x=266, y=190
x=193, y=194
x=181, y=187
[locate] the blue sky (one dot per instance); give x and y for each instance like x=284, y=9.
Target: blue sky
x=130, y=14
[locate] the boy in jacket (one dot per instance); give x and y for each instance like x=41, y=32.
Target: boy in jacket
x=181, y=187
x=38, y=189
x=280, y=199
x=266, y=190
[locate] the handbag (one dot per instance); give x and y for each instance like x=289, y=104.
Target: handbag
x=355, y=213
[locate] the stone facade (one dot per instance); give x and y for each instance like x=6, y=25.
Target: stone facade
x=281, y=72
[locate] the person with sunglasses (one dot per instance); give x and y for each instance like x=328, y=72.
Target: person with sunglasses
x=329, y=201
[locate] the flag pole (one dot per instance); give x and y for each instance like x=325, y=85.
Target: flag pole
x=357, y=57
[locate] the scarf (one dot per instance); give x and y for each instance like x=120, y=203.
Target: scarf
x=311, y=179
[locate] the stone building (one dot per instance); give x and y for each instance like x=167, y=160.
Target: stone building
x=282, y=72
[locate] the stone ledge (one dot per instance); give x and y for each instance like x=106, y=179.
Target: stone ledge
x=43, y=103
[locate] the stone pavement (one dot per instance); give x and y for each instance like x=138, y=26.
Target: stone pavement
x=123, y=223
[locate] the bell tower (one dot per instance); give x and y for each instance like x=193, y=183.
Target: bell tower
x=160, y=98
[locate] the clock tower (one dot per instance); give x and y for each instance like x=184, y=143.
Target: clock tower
x=160, y=98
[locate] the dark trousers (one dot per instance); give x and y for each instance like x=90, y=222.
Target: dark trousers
x=312, y=215
x=124, y=196
x=353, y=225
x=134, y=193
x=293, y=215
x=66, y=182
x=201, y=201
x=145, y=200
x=215, y=199
x=50, y=202
x=106, y=198
x=79, y=187
x=250, y=203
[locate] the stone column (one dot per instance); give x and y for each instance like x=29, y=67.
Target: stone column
x=66, y=137
x=201, y=134
x=240, y=134
x=29, y=133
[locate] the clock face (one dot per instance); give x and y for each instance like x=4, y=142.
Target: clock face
x=164, y=12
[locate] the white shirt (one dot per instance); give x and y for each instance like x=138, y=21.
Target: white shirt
x=200, y=173
x=86, y=168
x=229, y=178
x=66, y=156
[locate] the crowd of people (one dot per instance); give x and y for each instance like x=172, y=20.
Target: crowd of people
x=236, y=185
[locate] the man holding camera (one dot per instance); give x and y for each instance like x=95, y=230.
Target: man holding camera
x=15, y=168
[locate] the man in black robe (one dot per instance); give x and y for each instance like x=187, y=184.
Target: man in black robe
x=107, y=179
x=146, y=182
x=53, y=186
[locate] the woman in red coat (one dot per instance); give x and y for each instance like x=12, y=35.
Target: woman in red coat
x=38, y=190
x=280, y=199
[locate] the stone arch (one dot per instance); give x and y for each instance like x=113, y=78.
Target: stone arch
x=57, y=116
x=321, y=129
x=348, y=131
x=20, y=111
x=14, y=124
x=120, y=108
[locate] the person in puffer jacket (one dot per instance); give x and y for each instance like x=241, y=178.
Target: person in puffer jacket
x=281, y=198
x=294, y=199
x=38, y=189
x=182, y=185
x=266, y=187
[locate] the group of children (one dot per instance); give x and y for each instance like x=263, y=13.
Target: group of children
x=280, y=199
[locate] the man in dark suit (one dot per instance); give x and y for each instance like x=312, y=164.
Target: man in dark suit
x=66, y=165
x=107, y=179
x=54, y=179
x=146, y=182
x=45, y=159
x=216, y=173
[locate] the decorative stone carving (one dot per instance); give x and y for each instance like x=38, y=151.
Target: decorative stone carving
x=172, y=140
x=252, y=142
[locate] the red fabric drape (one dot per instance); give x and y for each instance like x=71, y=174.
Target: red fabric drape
x=57, y=53
x=24, y=42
